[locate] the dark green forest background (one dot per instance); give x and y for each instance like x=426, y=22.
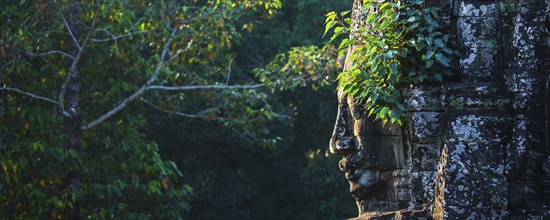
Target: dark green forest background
x=255, y=153
x=296, y=178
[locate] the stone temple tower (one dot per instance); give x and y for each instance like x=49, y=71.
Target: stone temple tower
x=476, y=146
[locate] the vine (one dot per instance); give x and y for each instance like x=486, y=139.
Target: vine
x=400, y=44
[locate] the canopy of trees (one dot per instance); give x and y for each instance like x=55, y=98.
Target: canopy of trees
x=168, y=110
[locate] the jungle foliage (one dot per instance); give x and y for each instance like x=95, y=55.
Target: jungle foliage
x=403, y=43
x=185, y=108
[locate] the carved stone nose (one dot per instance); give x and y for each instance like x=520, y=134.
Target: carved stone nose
x=345, y=165
x=341, y=145
x=342, y=140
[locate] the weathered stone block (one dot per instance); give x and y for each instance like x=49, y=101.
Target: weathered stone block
x=537, y=136
x=519, y=102
x=472, y=29
x=475, y=8
x=479, y=127
x=475, y=176
x=423, y=127
x=518, y=80
x=423, y=99
x=537, y=165
x=423, y=184
x=402, y=185
x=529, y=213
x=425, y=156
x=478, y=63
x=453, y=212
x=538, y=106
x=472, y=158
x=529, y=194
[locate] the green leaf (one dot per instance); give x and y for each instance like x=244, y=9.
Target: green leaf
x=385, y=6
x=371, y=18
x=416, y=2
x=330, y=16
x=430, y=20
x=328, y=26
x=438, y=77
x=383, y=110
x=439, y=43
x=443, y=60
x=344, y=13
x=338, y=29
x=343, y=44
x=429, y=54
x=347, y=21
x=393, y=68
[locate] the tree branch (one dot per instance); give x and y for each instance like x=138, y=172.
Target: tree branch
x=51, y=52
x=33, y=96
x=71, y=32
x=29, y=94
x=180, y=51
x=182, y=88
x=229, y=71
x=72, y=69
x=198, y=115
x=137, y=93
x=115, y=38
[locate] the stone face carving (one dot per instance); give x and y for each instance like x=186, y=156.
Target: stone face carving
x=373, y=156
x=492, y=118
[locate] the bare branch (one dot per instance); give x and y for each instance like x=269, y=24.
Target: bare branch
x=182, y=88
x=71, y=32
x=198, y=115
x=162, y=57
x=181, y=51
x=229, y=71
x=137, y=93
x=33, y=96
x=114, y=38
x=29, y=94
x=51, y=52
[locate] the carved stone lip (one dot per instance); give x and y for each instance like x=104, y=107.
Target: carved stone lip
x=354, y=175
x=350, y=175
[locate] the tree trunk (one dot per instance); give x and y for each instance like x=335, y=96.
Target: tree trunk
x=72, y=123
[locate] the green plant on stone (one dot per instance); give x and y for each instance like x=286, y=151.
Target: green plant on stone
x=400, y=44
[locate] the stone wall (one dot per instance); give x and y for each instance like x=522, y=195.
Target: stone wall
x=492, y=116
